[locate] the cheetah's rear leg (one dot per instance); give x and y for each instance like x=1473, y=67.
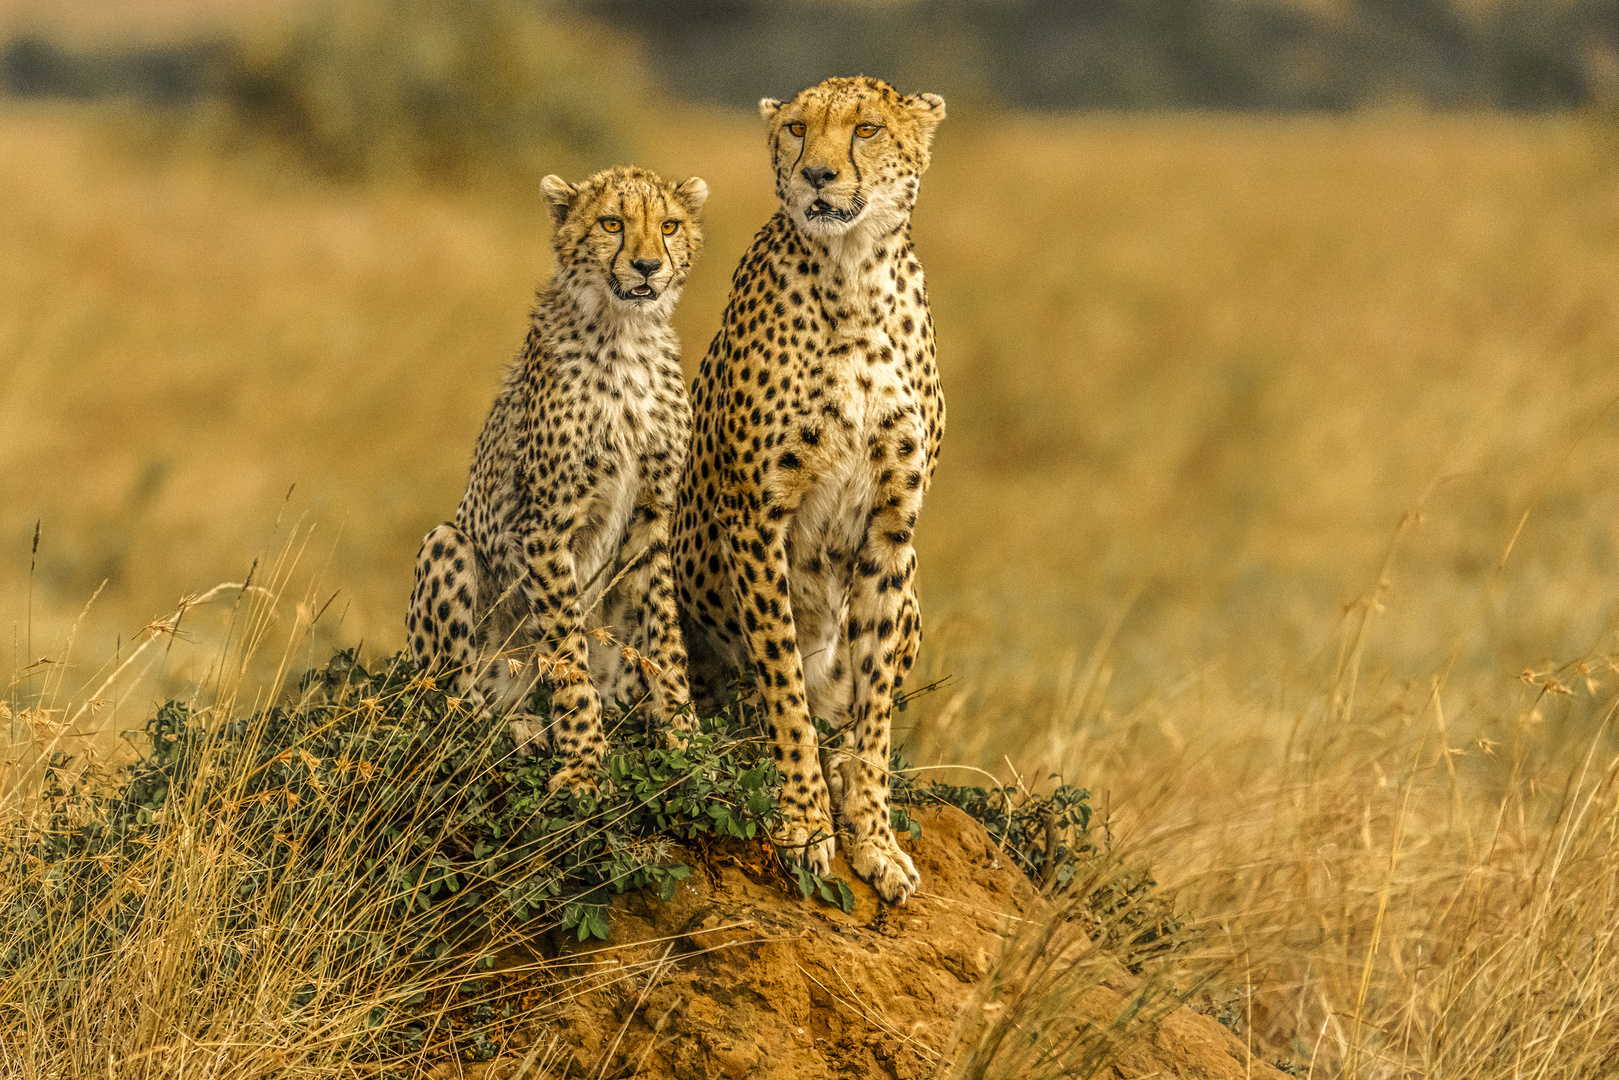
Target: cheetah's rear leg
x=445, y=635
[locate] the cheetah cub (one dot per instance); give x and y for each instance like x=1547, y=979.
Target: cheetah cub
x=564, y=526
x=818, y=421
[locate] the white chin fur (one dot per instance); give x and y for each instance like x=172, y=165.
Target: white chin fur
x=659, y=308
x=824, y=228
x=828, y=226
x=598, y=299
x=883, y=209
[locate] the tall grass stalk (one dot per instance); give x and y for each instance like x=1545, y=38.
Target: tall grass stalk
x=221, y=973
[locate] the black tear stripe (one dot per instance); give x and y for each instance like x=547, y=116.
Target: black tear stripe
x=623, y=233
x=852, y=165
x=668, y=256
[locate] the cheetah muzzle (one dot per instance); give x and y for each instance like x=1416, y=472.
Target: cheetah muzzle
x=820, y=208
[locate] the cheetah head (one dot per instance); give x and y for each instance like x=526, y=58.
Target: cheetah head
x=626, y=236
x=849, y=153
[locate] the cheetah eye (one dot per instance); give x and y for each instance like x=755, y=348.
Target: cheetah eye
x=669, y=227
x=611, y=224
x=866, y=131
x=796, y=128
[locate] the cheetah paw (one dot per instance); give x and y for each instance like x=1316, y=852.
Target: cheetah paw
x=879, y=860
x=575, y=779
x=676, y=735
x=806, y=838
x=532, y=735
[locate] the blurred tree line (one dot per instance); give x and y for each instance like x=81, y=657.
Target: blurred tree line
x=1140, y=54
x=359, y=87
x=371, y=87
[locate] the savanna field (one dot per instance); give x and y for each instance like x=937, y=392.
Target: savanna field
x=1278, y=507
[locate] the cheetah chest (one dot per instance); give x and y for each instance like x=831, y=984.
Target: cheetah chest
x=618, y=434
x=878, y=415
x=604, y=526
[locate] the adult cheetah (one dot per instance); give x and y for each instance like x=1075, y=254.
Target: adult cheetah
x=818, y=417
x=573, y=482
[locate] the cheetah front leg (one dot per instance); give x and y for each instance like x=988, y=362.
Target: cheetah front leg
x=758, y=565
x=653, y=622
x=883, y=634
x=551, y=596
x=659, y=644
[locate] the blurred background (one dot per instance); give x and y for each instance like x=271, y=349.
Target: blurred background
x=1280, y=341
x=1224, y=289
x=1130, y=54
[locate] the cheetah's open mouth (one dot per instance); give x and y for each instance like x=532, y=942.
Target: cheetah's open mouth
x=643, y=291
x=820, y=208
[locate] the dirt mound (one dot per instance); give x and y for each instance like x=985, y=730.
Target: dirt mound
x=735, y=978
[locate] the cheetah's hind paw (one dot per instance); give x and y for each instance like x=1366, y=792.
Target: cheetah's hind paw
x=879, y=860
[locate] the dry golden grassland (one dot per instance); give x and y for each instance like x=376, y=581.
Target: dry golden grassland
x=1278, y=449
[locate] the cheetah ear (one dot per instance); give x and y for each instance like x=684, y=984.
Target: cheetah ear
x=925, y=110
x=928, y=108
x=695, y=192
x=768, y=108
x=559, y=194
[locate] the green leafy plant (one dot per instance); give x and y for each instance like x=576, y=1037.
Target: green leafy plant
x=830, y=890
x=373, y=829
x=1048, y=837
x=375, y=809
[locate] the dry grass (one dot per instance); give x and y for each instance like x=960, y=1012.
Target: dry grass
x=1277, y=450
x=215, y=977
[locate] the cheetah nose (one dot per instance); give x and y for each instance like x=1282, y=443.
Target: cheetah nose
x=648, y=267
x=819, y=175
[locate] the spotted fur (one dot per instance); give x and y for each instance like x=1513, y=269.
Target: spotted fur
x=564, y=526
x=818, y=418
